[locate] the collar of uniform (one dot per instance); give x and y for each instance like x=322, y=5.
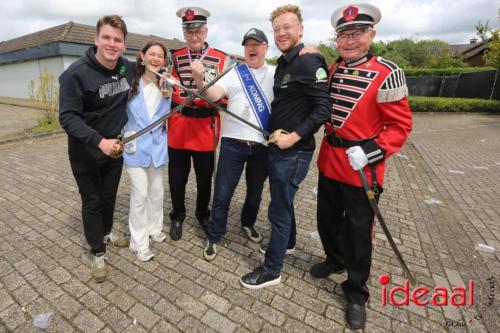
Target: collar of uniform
x=201, y=51
x=292, y=53
x=359, y=61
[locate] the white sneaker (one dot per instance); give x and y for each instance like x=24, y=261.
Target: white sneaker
x=146, y=255
x=159, y=238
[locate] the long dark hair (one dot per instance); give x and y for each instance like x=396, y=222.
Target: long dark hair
x=140, y=68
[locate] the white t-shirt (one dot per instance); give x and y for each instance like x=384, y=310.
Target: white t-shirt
x=239, y=105
x=152, y=96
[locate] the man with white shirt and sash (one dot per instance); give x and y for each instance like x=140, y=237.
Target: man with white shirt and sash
x=249, y=89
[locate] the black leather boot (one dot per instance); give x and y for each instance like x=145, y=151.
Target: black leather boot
x=355, y=315
x=176, y=220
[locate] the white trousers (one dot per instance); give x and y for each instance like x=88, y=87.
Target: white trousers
x=146, y=205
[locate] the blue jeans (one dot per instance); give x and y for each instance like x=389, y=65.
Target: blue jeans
x=232, y=159
x=287, y=169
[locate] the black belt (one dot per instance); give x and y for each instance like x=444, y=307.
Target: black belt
x=197, y=112
x=247, y=142
x=336, y=141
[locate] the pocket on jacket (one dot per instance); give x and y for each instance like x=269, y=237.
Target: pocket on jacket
x=131, y=146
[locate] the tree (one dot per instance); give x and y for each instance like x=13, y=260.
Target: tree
x=483, y=30
x=272, y=61
x=492, y=56
x=45, y=96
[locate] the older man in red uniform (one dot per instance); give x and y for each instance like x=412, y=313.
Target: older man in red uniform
x=193, y=133
x=371, y=120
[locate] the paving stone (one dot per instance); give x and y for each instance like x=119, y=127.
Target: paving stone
x=215, y=302
x=59, y=275
x=144, y=316
x=292, y=309
x=67, y=306
x=169, y=311
x=245, y=319
x=121, y=299
x=94, y=302
x=268, y=313
x=115, y=319
x=218, y=322
x=88, y=322
x=12, y=317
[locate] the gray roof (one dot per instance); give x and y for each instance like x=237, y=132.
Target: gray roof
x=77, y=33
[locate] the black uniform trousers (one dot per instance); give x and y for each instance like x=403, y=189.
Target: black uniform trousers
x=179, y=166
x=345, y=223
x=98, y=185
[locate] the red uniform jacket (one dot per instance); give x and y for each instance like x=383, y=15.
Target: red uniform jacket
x=369, y=102
x=191, y=129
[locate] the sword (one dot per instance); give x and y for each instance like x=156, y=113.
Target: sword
x=176, y=109
x=214, y=104
x=376, y=210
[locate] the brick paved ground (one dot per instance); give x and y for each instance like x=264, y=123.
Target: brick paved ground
x=44, y=264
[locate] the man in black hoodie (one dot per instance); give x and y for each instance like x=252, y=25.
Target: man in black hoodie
x=92, y=110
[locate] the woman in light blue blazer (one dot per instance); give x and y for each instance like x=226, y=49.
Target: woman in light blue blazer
x=145, y=157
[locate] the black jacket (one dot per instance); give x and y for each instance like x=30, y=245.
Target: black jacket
x=92, y=104
x=301, y=99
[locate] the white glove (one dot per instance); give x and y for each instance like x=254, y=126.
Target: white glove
x=357, y=157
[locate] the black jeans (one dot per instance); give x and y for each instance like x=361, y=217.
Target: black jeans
x=98, y=186
x=179, y=166
x=345, y=226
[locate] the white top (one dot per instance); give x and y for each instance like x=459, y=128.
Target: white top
x=239, y=105
x=152, y=96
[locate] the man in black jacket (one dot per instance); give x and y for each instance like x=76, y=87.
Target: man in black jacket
x=92, y=110
x=301, y=105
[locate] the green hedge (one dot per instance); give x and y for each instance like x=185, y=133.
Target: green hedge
x=445, y=104
x=444, y=71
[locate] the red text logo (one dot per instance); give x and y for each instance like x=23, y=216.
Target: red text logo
x=422, y=296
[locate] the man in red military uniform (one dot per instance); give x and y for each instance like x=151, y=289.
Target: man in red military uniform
x=371, y=120
x=193, y=133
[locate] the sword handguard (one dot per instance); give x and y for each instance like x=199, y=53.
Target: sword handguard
x=273, y=138
x=117, y=150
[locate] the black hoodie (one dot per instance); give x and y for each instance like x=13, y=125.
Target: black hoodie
x=92, y=104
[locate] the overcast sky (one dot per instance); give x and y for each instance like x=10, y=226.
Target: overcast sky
x=450, y=20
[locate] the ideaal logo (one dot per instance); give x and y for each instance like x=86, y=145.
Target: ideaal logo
x=439, y=296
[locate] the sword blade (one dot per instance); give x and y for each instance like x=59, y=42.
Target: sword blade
x=197, y=94
x=179, y=107
x=378, y=214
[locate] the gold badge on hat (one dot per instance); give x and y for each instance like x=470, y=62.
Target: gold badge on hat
x=355, y=73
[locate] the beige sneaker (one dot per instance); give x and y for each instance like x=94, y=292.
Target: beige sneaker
x=98, y=270
x=118, y=241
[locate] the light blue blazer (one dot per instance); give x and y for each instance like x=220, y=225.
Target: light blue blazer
x=151, y=147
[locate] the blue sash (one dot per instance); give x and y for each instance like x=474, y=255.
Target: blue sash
x=255, y=95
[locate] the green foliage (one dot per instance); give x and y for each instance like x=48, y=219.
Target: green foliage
x=44, y=126
x=44, y=95
x=444, y=71
x=482, y=30
x=329, y=52
x=272, y=61
x=408, y=53
x=492, y=56
x=444, y=104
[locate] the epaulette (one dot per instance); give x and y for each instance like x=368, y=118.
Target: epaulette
x=394, y=86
